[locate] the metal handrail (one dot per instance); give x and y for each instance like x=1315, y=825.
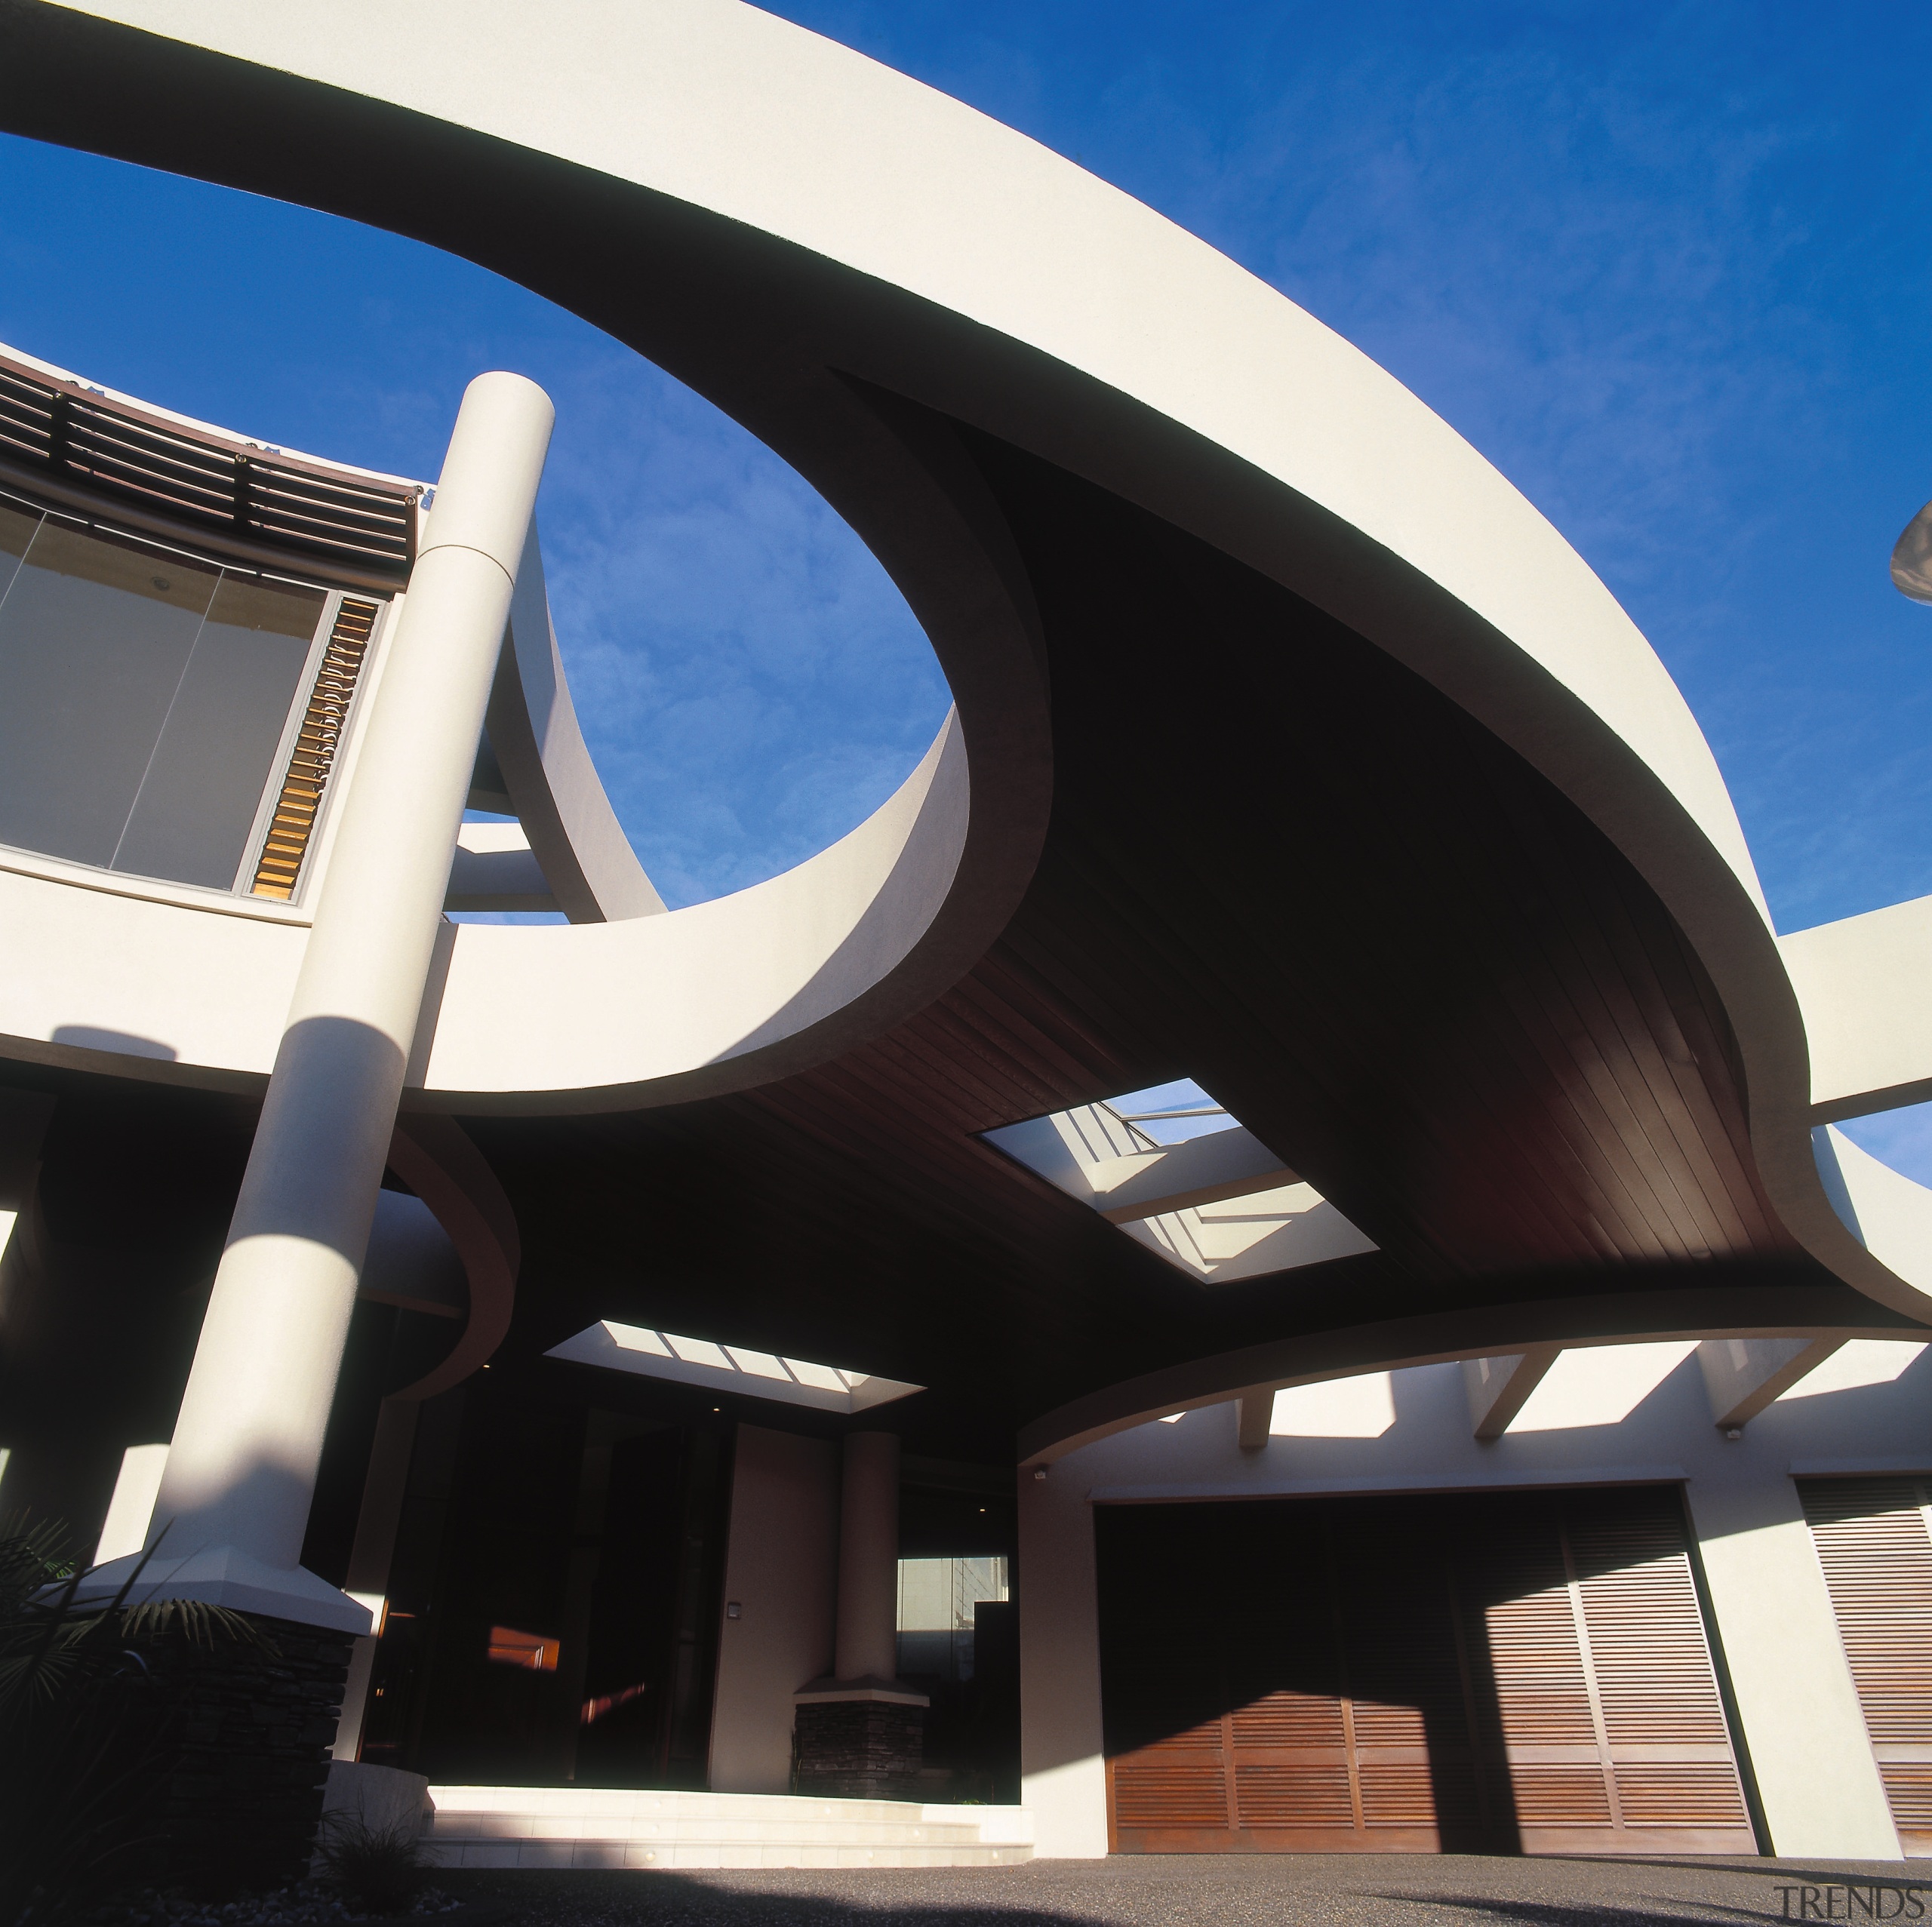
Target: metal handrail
x=119, y=453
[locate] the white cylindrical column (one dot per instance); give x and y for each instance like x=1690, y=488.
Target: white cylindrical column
x=234, y=1504
x=1805, y=1731
x=867, y=1645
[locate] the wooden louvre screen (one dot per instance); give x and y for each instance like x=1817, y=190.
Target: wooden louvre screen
x=1494, y=1672
x=1874, y=1543
x=299, y=805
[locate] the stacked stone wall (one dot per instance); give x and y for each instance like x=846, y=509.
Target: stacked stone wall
x=233, y=1740
x=860, y=1749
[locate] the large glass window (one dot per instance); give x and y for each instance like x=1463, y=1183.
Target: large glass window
x=143, y=696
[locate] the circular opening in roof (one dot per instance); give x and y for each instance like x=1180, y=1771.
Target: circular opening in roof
x=750, y=684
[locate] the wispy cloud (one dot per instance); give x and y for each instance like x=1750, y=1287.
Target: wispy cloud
x=1663, y=263
x=1655, y=261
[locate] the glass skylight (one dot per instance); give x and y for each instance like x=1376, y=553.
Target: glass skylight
x=728, y=1368
x=1177, y=1173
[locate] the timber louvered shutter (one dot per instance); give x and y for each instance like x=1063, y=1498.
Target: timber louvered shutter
x=1607, y=1698
x=1875, y=1547
x=1501, y=1672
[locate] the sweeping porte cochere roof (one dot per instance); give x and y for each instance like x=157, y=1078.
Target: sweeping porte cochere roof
x=1518, y=1058
x=1417, y=1114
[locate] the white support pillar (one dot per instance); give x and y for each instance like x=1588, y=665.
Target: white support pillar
x=862, y=1732
x=866, y=1644
x=1062, y=1768
x=234, y=1502
x=1744, y=1375
x=1804, y=1731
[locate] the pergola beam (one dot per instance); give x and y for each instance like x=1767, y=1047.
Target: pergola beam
x=1257, y=1412
x=1500, y=1387
x=1204, y=1170
x=1744, y=1375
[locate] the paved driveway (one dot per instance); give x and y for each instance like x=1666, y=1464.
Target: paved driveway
x=1229, y=1890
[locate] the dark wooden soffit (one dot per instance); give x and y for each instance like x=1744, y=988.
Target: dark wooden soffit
x=1277, y=862
x=1282, y=864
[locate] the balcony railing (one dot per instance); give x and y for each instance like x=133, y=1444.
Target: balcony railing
x=261, y=497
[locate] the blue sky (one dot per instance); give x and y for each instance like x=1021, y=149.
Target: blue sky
x=1666, y=264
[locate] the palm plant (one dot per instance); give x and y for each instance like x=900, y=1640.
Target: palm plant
x=83, y=1731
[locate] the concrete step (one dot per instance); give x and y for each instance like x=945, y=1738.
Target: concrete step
x=614, y=1826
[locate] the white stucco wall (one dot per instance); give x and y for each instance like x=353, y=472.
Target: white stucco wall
x=1062, y=1778
x=781, y=1567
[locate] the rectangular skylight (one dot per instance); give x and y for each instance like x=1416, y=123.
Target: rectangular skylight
x=715, y=1367
x=1178, y=1173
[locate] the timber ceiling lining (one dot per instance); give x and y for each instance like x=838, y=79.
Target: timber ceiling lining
x=1280, y=863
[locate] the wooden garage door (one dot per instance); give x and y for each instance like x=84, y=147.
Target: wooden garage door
x=1873, y=1543
x=1490, y=1672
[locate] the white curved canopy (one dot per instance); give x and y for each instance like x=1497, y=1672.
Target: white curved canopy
x=1060, y=314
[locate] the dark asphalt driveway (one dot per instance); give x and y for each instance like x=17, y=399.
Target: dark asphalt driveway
x=1225, y=1891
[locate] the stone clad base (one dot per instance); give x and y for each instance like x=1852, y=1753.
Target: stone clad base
x=864, y=1749
x=233, y=1740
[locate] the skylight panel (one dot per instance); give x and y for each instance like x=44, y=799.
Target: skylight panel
x=715, y=1367
x=1179, y=1174
x=1171, y=1113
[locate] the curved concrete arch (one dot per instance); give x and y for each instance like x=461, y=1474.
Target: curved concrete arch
x=863, y=263
x=593, y=872
x=435, y=1158
x=1635, y=1317
x=710, y=998
x=102, y=976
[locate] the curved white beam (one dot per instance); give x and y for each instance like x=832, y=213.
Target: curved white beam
x=934, y=254
x=1522, y=1358
x=1865, y=986
x=436, y=1158
x=587, y=1017
x=101, y=977
x=729, y=110
x=593, y=874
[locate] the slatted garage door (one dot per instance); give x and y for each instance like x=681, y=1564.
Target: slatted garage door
x=1484, y=1672
x=1873, y=1543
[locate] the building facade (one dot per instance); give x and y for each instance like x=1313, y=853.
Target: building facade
x=1332, y=1315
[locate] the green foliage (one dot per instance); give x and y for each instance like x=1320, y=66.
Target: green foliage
x=83, y=1733
x=380, y=1869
